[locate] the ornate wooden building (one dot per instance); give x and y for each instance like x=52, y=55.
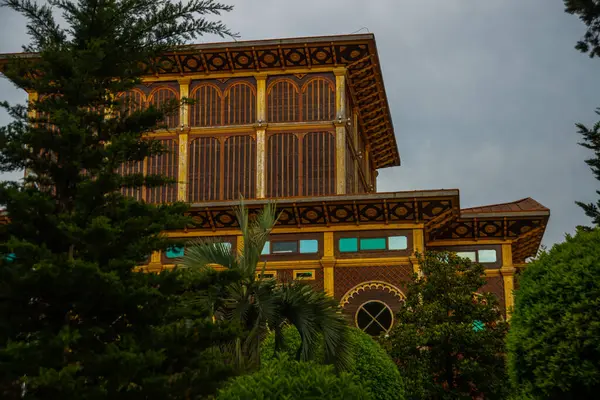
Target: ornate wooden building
x=306, y=121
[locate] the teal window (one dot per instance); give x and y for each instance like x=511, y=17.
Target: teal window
x=348, y=245
x=487, y=256
x=284, y=247
x=467, y=254
x=10, y=257
x=175, y=252
x=478, y=326
x=309, y=246
x=266, y=249
x=397, y=243
x=372, y=244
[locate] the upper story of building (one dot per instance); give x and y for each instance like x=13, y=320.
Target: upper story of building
x=269, y=119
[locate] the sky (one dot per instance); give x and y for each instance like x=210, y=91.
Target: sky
x=484, y=95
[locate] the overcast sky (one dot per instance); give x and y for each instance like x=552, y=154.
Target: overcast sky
x=484, y=94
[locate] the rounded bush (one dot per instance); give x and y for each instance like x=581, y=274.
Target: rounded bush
x=370, y=362
x=554, y=338
x=282, y=378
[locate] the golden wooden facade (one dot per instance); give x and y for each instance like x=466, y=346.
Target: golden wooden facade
x=306, y=121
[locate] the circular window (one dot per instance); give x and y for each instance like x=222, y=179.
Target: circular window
x=374, y=317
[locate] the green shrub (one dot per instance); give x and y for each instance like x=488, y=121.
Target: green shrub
x=370, y=362
x=554, y=338
x=282, y=378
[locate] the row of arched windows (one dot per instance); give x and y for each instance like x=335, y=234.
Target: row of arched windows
x=212, y=105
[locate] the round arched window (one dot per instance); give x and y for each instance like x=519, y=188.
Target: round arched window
x=374, y=317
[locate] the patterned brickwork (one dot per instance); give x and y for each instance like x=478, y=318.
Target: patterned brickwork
x=495, y=285
x=348, y=277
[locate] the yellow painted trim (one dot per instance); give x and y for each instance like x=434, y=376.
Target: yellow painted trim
x=340, y=160
x=222, y=130
x=492, y=272
x=261, y=98
x=370, y=285
x=182, y=176
x=418, y=248
x=303, y=271
x=184, y=92
x=241, y=74
x=273, y=272
x=300, y=126
x=372, y=262
x=278, y=230
x=261, y=171
x=328, y=245
x=239, y=244
x=468, y=242
x=329, y=280
x=508, y=275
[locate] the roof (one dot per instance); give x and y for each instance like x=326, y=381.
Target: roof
x=524, y=206
x=357, y=53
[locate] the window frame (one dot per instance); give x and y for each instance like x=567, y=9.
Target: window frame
x=296, y=272
x=374, y=234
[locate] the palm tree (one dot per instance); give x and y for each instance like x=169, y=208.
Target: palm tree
x=259, y=304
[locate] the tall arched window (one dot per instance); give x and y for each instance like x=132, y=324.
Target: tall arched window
x=318, y=166
x=165, y=164
x=159, y=98
x=239, y=175
x=318, y=100
x=207, y=109
x=240, y=104
x=283, y=101
x=283, y=173
x=204, y=169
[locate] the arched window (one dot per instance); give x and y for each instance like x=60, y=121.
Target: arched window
x=159, y=98
x=207, y=109
x=318, y=100
x=283, y=175
x=240, y=104
x=165, y=164
x=318, y=166
x=239, y=175
x=132, y=101
x=283, y=101
x=204, y=169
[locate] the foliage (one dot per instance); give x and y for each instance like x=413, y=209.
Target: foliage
x=282, y=378
x=589, y=13
x=370, y=363
x=439, y=353
x=554, y=339
x=258, y=303
x=77, y=320
x=591, y=140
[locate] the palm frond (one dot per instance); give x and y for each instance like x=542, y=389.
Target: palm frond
x=316, y=315
x=201, y=253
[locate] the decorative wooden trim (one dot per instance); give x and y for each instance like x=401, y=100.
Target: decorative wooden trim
x=261, y=98
x=508, y=275
x=184, y=93
x=295, y=229
x=418, y=248
x=370, y=285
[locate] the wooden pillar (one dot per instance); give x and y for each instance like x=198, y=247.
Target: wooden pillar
x=418, y=248
x=508, y=275
x=328, y=263
x=261, y=135
x=340, y=130
x=182, y=177
x=155, y=265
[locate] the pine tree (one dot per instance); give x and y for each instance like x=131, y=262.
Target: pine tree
x=591, y=140
x=449, y=341
x=589, y=13
x=77, y=320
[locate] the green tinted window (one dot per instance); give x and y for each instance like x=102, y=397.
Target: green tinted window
x=487, y=256
x=309, y=246
x=284, y=247
x=348, y=245
x=372, y=244
x=175, y=252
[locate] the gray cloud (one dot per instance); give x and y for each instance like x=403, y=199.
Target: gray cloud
x=484, y=94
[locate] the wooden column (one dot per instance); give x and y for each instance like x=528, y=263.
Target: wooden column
x=328, y=263
x=508, y=275
x=182, y=177
x=155, y=265
x=261, y=135
x=340, y=130
x=418, y=248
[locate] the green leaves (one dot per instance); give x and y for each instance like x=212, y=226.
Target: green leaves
x=434, y=344
x=591, y=141
x=553, y=343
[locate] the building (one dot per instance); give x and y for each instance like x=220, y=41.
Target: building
x=306, y=121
